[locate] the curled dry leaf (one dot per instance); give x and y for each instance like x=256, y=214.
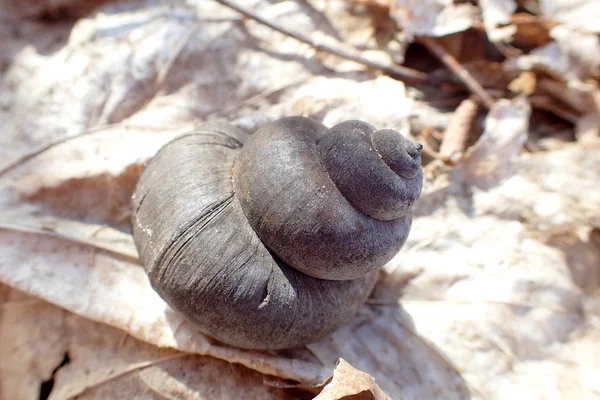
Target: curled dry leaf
x=456, y=136
x=349, y=383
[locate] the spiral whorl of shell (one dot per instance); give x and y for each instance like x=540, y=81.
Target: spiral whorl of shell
x=331, y=203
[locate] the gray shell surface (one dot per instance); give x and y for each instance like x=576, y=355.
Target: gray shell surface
x=204, y=258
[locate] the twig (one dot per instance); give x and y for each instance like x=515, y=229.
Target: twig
x=395, y=71
x=459, y=70
x=561, y=110
x=454, y=142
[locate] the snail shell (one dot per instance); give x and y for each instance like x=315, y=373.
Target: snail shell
x=273, y=240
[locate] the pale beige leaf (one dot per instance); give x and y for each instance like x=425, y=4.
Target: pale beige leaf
x=383, y=101
x=579, y=53
x=83, y=359
x=552, y=190
x=32, y=344
x=432, y=17
x=350, y=383
x=492, y=157
x=485, y=274
x=196, y=377
x=496, y=13
x=102, y=356
x=381, y=342
x=579, y=14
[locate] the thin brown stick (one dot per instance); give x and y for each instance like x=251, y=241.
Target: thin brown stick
x=460, y=71
x=395, y=71
x=561, y=110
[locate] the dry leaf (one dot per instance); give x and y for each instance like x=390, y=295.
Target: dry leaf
x=573, y=64
x=456, y=135
x=573, y=55
x=381, y=342
x=383, y=101
x=83, y=359
x=479, y=277
x=432, y=17
x=496, y=13
x=532, y=31
x=486, y=300
x=349, y=383
x=580, y=14
x=579, y=53
x=32, y=344
x=525, y=83
x=491, y=158
x=116, y=292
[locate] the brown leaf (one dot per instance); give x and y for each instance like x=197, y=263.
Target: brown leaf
x=348, y=383
x=531, y=31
